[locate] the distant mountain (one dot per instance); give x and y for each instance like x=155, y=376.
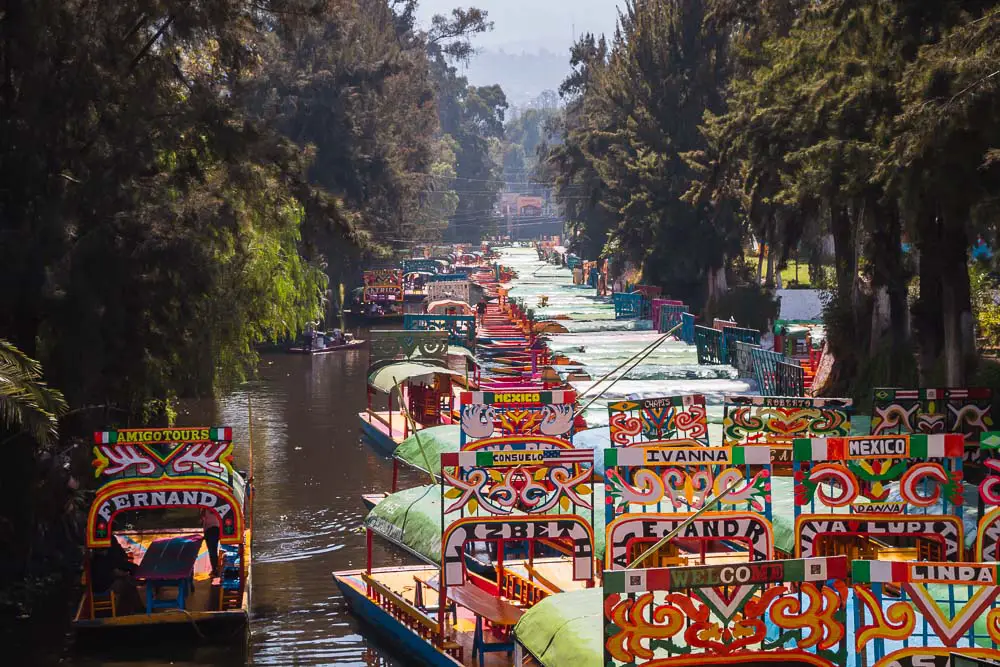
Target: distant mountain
x=523, y=76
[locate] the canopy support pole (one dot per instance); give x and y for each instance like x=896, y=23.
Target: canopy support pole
x=635, y=360
x=684, y=524
x=416, y=434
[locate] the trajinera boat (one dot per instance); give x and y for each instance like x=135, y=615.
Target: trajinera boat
x=167, y=496
x=324, y=342
x=503, y=491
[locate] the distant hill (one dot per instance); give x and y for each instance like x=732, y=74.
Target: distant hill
x=523, y=76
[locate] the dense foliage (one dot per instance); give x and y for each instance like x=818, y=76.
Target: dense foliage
x=182, y=181
x=705, y=125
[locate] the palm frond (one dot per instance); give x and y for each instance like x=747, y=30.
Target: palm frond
x=27, y=404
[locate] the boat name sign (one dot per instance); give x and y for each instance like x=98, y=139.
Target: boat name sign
x=137, y=499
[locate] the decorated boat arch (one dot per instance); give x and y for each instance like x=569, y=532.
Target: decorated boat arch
x=517, y=411
x=651, y=491
x=898, y=496
x=166, y=469
x=652, y=420
x=785, y=612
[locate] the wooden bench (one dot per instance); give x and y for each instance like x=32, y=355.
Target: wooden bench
x=499, y=613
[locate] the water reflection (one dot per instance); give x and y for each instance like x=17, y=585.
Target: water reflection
x=310, y=469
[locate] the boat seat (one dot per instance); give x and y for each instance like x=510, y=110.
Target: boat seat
x=103, y=602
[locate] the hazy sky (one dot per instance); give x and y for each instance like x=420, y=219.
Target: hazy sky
x=531, y=25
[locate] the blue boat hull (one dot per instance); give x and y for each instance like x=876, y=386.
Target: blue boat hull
x=379, y=440
x=405, y=642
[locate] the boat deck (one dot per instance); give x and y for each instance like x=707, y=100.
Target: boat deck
x=403, y=583
x=201, y=603
x=392, y=425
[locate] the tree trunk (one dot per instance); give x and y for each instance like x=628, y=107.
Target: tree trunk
x=717, y=285
x=760, y=260
x=956, y=306
x=769, y=280
x=881, y=314
x=843, y=251
x=927, y=320
x=890, y=282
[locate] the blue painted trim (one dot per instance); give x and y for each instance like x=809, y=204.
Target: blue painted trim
x=407, y=643
x=381, y=442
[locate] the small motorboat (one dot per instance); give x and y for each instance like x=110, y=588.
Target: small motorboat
x=324, y=342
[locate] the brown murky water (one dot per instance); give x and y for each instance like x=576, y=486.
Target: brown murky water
x=310, y=467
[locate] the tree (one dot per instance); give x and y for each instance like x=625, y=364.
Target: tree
x=944, y=168
x=579, y=189
x=666, y=68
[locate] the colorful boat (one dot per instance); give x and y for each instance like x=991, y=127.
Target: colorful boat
x=178, y=473
x=382, y=297
x=449, y=615
x=883, y=576
x=410, y=367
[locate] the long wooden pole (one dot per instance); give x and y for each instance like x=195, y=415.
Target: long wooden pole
x=635, y=360
x=684, y=524
x=403, y=410
x=250, y=480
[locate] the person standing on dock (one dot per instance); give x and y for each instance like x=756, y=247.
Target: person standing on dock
x=481, y=310
x=211, y=527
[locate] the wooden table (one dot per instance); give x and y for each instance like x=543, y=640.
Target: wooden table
x=169, y=562
x=485, y=606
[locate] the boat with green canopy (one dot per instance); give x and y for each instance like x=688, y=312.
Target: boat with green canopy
x=413, y=375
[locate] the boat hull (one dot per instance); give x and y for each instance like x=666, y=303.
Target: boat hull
x=378, y=438
x=326, y=350
x=402, y=639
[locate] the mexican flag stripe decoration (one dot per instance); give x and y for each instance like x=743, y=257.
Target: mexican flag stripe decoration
x=637, y=581
x=937, y=445
x=814, y=569
x=990, y=440
x=878, y=571
x=751, y=455
x=819, y=449
x=105, y=437
x=611, y=457
x=221, y=434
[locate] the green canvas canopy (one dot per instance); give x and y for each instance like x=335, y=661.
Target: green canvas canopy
x=434, y=441
x=565, y=629
x=387, y=377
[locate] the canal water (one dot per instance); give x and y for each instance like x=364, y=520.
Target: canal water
x=311, y=468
